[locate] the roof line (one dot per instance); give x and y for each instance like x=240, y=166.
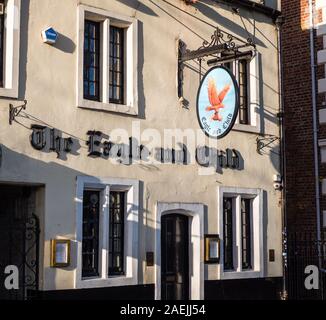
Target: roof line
x=261, y=8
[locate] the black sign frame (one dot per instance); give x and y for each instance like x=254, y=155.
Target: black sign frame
x=237, y=102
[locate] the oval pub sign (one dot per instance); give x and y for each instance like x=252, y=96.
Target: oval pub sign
x=217, y=102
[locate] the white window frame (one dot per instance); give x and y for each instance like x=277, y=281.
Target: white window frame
x=131, y=187
x=253, y=95
x=108, y=18
x=257, y=240
x=11, y=49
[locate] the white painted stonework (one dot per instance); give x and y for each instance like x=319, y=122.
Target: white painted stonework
x=52, y=81
x=322, y=147
x=322, y=116
x=323, y=187
x=195, y=212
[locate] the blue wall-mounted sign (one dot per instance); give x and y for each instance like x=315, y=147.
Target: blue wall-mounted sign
x=49, y=35
x=217, y=102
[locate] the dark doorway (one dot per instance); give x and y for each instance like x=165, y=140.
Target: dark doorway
x=19, y=240
x=175, y=257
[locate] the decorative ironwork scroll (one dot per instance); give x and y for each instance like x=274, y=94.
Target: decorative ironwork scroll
x=221, y=44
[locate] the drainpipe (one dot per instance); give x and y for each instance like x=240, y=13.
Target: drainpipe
x=279, y=23
x=315, y=131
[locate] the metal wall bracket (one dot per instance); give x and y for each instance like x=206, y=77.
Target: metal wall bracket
x=264, y=142
x=15, y=111
x=221, y=45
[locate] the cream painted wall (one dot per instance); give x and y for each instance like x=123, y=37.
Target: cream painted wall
x=48, y=82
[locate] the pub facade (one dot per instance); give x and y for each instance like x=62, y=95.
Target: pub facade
x=122, y=175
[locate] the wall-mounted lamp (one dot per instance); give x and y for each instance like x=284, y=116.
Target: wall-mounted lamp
x=212, y=248
x=60, y=253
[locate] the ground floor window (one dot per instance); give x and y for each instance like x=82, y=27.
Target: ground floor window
x=107, y=232
x=91, y=216
x=116, y=243
x=241, y=231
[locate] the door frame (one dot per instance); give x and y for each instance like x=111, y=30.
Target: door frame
x=195, y=213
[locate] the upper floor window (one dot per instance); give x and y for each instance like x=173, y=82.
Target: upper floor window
x=117, y=63
x=243, y=80
x=107, y=61
x=92, y=60
x=246, y=72
x=9, y=47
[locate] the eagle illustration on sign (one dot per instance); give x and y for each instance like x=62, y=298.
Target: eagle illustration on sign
x=217, y=102
x=215, y=99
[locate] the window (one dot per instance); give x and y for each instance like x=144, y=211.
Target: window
x=246, y=233
x=90, y=249
x=246, y=72
x=228, y=233
x=117, y=61
x=92, y=60
x=9, y=47
x=107, y=61
x=107, y=232
x=117, y=213
x=243, y=92
x=241, y=232
x=229, y=229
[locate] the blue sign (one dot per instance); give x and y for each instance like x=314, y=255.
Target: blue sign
x=49, y=35
x=217, y=102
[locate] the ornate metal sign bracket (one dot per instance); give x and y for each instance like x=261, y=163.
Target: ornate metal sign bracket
x=221, y=45
x=15, y=111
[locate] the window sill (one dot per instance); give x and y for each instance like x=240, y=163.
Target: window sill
x=246, y=128
x=110, y=107
x=227, y=275
x=9, y=93
x=106, y=282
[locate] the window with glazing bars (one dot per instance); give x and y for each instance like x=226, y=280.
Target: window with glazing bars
x=90, y=240
x=2, y=41
x=116, y=233
x=243, y=88
x=92, y=47
x=246, y=233
x=116, y=65
x=228, y=233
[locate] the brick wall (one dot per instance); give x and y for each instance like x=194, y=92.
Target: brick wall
x=300, y=183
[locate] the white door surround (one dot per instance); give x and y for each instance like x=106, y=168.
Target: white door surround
x=195, y=212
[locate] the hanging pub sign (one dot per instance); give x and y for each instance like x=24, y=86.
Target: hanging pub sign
x=217, y=102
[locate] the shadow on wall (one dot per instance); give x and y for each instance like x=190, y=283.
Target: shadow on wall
x=139, y=6
x=24, y=16
x=65, y=44
x=52, y=175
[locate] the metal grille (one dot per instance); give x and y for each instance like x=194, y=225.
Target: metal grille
x=90, y=251
x=246, y=233
x=116, y=65
x=302, y=251
x=117, y=213
x=228, y=233
x=243, y=87
x=92, y=60
x=19, y=241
